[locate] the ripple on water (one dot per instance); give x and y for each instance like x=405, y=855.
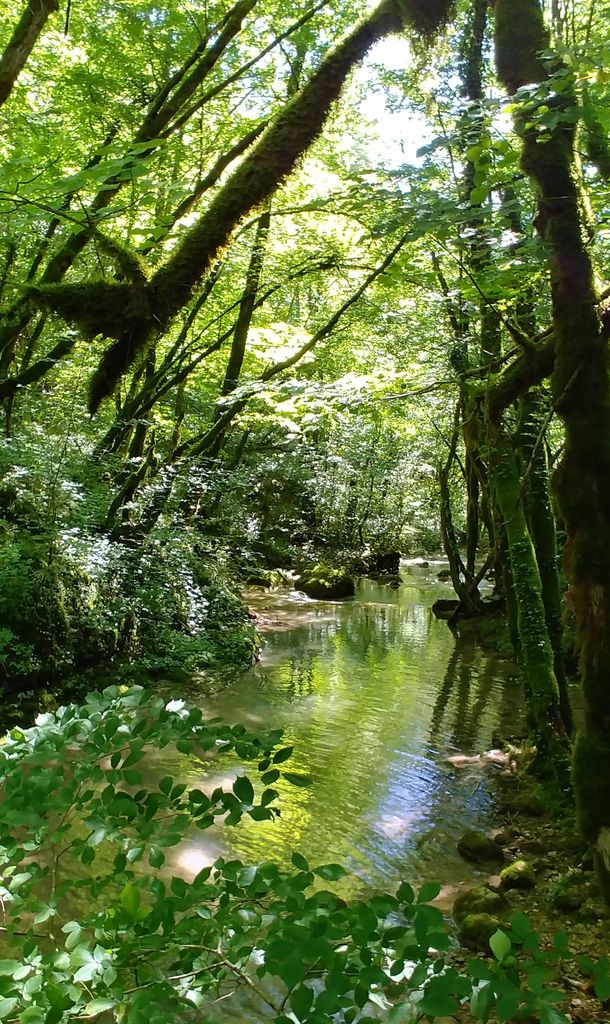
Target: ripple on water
x=374, y=694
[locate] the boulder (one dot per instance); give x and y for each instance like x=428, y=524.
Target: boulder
x=518, y=875
x=528, y=803
x=481, y=900
x=476, y=931
x=568, y=901
x=478, y=848
x=256, y=580
x=443, y=575
x=444, y=608
x=324, y=583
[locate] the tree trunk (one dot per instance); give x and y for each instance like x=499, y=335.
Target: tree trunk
x=22, y=41
x=541, y=521
x=582, y=398
x=536, y=651
x=258, y=176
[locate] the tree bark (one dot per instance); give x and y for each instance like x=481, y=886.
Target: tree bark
x=541, y=522
x=536, y=652
x=28, y=29
x=582, y=398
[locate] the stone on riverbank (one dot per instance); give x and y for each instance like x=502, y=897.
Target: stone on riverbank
x=476, y=931
x=518, y=875
x=478, y=848
x=481, y=900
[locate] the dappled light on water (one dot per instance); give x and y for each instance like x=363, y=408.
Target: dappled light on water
x=374, y=694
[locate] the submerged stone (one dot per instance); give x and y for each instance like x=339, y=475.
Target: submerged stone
x=327, y=584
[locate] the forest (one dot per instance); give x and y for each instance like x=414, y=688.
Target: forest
x=305, y=449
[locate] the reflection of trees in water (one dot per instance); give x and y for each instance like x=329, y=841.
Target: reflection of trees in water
x=379, y=629
x=469, y=682
x=300, y=675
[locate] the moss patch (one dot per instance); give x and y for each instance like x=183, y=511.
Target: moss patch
x=325, y=583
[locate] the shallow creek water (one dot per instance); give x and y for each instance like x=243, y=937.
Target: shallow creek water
x=374, y=694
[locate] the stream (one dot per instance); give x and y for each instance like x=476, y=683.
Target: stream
x=375, y=694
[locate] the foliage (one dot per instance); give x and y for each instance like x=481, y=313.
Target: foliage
x=98, y=923
x=73, y=599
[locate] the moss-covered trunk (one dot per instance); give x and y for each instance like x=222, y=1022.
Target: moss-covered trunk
x=536, y=652
x=582, y=397
x=258, y=176
x=543, y=531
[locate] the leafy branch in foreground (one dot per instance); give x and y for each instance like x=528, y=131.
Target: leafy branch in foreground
x=97, y=927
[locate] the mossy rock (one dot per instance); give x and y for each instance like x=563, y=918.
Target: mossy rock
x=265, y=578
x=481, y=900
x=324, y=583
x=478, y=848
x=476, y=931
x=518, y=875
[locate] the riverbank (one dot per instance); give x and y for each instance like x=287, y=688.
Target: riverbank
x=543, y=894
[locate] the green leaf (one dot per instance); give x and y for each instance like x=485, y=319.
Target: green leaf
x=130, y=899
x=297, y=780
x=330, y=872
x=520, y=924
x=8, y=966
x=243, y=789
x=561, y=942
x=73, y=938
x=479, y=194
x=550, y=1015
x=602, y=988
x=6, y=1007
x=282, y=755
x=428, y=892
x=405, y=893
x=298, y=861
x=500, y=945
x=301, y=1000
x=99, y=1006
x=482, y=1001
x=437, y=1001
x=508, y=1004
x=156, y=857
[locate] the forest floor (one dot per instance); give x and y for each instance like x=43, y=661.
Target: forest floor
x=565, y=897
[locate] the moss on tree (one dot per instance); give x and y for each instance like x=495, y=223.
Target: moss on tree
x=581, y=393
x=534, y=642
x=262, y=171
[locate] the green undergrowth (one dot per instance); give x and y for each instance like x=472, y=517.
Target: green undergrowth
x=99, y=924
x=76, y=601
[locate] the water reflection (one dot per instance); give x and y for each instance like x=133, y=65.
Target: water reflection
x=374, y=694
